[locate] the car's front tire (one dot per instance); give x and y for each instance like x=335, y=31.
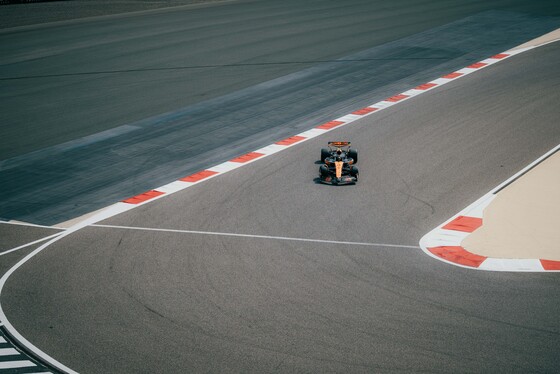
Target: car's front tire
x=324, y=154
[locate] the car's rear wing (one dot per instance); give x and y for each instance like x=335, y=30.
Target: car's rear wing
x=339, y=144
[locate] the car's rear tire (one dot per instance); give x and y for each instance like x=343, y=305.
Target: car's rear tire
x=353, y=154
x=324, y=154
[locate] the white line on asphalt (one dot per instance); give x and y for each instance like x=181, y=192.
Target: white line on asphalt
x=28, y=244
x=258, y=236
x=19, y=223
x=10, y=328
x=8, y=352
x=16, y=364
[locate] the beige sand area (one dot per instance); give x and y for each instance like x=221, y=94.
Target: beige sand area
x=523, y=221
x=543, y=39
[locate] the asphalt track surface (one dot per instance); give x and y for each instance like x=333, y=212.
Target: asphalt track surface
x=46, y=11
x=121, y=300
x=111, y=299
x=102, y=109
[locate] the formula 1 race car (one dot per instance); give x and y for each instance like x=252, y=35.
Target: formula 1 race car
x=338, y=167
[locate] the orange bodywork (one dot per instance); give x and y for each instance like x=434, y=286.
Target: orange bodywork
x=338, y=168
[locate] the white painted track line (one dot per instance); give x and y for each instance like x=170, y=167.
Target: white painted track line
x=16, y=364
x=20, y=339
x=8, y=352
x=258, y=236
x=31, y=243
x=18, y=223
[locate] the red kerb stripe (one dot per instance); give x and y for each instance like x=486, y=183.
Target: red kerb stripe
x=458, y=255
x=143, y=197
x=396, y=98
x=425, y=86
x=500, y=56
x=292, y=140
x=477, y=65
x=452, y=75
x=550, y=264
x=198, y=176
x=248, y=157
x=463, y=223
x=365, y=110
x=329, y=125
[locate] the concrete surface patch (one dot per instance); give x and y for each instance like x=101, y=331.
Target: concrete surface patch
x=521, y=222
x=511, y=228
x=546, y=38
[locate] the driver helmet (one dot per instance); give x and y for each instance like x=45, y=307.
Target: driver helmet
x=338, y=151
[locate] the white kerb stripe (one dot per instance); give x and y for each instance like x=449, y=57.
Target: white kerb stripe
x=506, y=264
x=270, y=149
x=312, y=133
x=224, y=167
x=173, y=187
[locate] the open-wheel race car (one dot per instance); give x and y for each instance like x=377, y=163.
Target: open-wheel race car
x=339, y=164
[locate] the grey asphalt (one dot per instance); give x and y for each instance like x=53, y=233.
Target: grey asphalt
x=128, y=301
x=17, y=235
x=98, y=110
x=14, y=236
x=29, y=14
